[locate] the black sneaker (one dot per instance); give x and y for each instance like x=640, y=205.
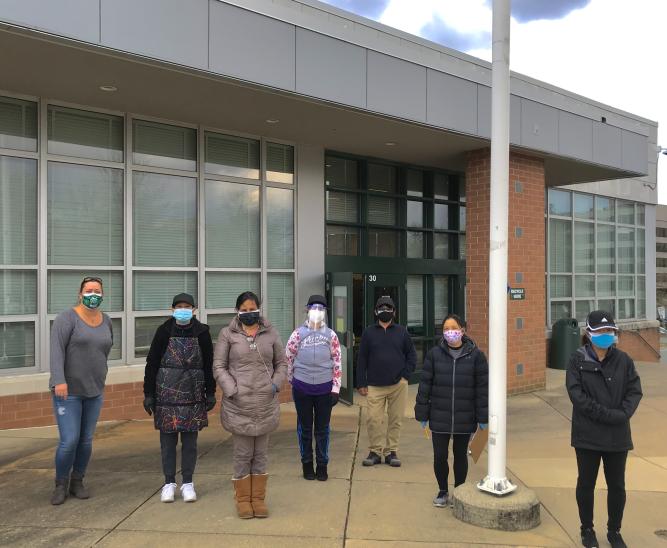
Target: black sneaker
x=321, y=473
x=372, y=459
x=616, y=540
x=589, y=539
x=308, y=472
x=392, y=460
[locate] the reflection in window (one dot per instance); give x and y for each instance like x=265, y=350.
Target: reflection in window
x=383, y=243
x=415, y=294
x=382, y=178
x=342, y=240
x=222, y=288
x=279, y=163
x=164, y=145
x=341, y=172
x=17, y=345
x=231, y=155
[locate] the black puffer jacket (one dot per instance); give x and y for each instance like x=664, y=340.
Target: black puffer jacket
x=453, y=393
x=604, y=396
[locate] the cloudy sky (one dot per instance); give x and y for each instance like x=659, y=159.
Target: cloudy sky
x=613, y=51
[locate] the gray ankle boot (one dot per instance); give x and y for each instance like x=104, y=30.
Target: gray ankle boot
x=77, y=488
x=59, y=493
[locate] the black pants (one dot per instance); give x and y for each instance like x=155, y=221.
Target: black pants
x=440, y=454
x=168, y=443
x=313, y=410
x=588, y=464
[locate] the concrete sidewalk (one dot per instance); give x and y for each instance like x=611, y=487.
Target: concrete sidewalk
x=357, y=507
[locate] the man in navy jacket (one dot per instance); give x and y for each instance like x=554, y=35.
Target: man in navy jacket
x=386, y=359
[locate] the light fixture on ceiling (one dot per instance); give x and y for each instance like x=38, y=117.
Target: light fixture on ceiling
x=272, y=120
x=390, y=144
x=108, y=87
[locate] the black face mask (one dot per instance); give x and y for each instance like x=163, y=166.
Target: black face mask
x=385, y=315
x=249, y=318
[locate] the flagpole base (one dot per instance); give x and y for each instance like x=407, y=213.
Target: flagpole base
x=498, y=487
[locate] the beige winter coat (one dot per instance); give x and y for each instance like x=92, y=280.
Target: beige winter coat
x=246, y=375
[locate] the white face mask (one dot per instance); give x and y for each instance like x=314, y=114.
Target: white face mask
x=316, y=316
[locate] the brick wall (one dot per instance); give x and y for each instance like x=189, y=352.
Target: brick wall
x=639, y=344
x=121, y=402
x=526, y=343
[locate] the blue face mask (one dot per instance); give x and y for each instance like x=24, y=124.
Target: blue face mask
x=182, y=315
x=603, y=340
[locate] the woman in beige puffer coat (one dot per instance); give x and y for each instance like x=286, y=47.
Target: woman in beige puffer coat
x=250, y=366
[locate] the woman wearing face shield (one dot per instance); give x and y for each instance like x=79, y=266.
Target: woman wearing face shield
x=81, y=339
x=314, y=371
x=249, y=365
x=605, y=391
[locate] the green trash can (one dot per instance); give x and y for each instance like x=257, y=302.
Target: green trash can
x=565, y=339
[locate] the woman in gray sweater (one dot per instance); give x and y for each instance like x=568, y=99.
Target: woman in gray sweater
x=81, y=339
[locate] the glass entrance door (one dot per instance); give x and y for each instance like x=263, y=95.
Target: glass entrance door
x=379, y=285
x=340, y=297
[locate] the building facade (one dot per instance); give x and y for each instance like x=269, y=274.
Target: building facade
x=292, y=148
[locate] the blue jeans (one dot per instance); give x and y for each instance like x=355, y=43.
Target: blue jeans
x=77, y=418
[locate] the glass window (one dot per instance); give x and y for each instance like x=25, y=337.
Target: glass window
x=85, y=134
x=440, y=186
x=217, y=322
x=626, y=308
x=144, y=331
x=561, y=286
x=383, y=243
x=341, y=172
x=626, y=286
x=415, y=295
x=232, y=225
x=17, y=345
x=606, y=286
x=641, y=214
x=626, y=250
x=560, y=245
x=18, y=124
x=18, y=211
x=440, y=301
x=583, y=309
x=608, y=305
x=155, y=290
x=641, y=251
x=604, y=208
x=625, y=212
x=559, y=202
x=462, y=247
x=85, y=215
x=441, y=216
x=462, y=191
x=584, y=247
x=415, y=245
x=280, y=309
x=342, y=240
x=342, y=207
x=280, y=228
x=18, y=292
x=63, y=289
x=641, y=296
x=440, y=246
x=382, y=178
x=165, y=220
x=584, y=286
x=561, y=309
x=116, y=352
x=381, y=211
x=231, y=155
x=415, y=182
x=279, y=163
x=222, y=288
x=415, y=214
x=163, y=145
x=583, y=206
x=462, y=218
x=606, y=246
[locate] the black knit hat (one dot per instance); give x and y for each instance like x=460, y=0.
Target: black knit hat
x=599, y=319
x=317, y=299
x=183, y=298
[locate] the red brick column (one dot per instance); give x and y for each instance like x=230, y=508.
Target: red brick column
x=526, y=320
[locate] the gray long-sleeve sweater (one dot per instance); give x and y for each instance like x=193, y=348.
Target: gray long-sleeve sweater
x=79, y=354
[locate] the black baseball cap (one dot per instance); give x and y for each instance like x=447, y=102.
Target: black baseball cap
x=317, y=299
x=183, y=298
x=385, y=300
x=600, y=319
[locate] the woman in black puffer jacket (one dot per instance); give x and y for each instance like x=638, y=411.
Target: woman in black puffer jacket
x=453, y=399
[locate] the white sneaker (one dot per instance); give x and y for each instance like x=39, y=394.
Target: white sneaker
x=168, y=492
x=188, y=492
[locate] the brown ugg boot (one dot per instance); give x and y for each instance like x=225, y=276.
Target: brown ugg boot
x=258, y=494
x=242, y=491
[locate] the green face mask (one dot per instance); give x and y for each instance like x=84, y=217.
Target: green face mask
x=91, y=300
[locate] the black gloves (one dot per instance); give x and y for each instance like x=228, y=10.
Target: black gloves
x=149, y=404
x=210, y=402
x=334, y=399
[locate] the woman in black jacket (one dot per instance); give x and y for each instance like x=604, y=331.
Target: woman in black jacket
x=605, y=390
x=179, y=389
x=453, y=399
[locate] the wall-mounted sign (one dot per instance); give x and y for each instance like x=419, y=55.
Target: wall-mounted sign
x=517, y=293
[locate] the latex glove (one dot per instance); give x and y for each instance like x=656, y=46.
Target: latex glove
x=210, y=402
x=274, y=388
x=334, y=398
x=423, y=423
x=149, y=405
x=483, y=426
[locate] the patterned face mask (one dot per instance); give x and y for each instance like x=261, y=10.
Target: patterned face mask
x=91, y=300
x=452, y=336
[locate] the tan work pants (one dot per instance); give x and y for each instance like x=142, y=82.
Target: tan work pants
x=394, y=399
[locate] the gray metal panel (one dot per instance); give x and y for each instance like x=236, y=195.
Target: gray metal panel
x=396, y=87
x=171, y=30
x=539, y=126
x=76, y=18
x=484, y=115
x=634, y=155
x=607, y=147
x=451, y=102
x=575, y=136
x=251, y=46
x=330, y=69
